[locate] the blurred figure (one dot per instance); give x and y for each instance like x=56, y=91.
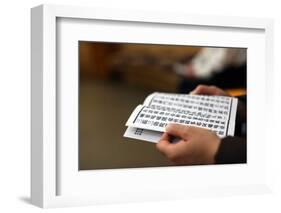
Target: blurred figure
x=224, y=67
x=212, y=60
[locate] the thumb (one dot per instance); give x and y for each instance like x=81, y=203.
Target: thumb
x=178, y=130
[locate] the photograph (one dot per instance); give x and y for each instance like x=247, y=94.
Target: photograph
x=155, y=105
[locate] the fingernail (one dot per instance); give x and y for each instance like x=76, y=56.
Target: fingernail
x=168, y=127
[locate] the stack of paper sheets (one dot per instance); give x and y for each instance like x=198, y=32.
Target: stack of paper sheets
x=148, y=121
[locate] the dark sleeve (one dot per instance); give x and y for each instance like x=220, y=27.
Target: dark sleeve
x=232, y=150
x=242, y=109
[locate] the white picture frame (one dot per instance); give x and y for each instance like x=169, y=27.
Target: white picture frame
x=47, y=166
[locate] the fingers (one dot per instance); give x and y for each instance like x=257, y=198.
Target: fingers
x=208, y=90
x=165, y=136
x=175, y=151
x=172, y=151
x=204, y=90
x=164, y=144
x=194, y=145
x=178, y=130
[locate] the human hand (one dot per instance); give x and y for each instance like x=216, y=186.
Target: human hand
x=189, y=72
x=208, y=90
x=196, y=145
x=186, y=70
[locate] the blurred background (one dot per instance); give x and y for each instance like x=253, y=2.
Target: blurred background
x=116, y=77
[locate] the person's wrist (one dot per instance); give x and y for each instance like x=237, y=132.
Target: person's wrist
x=214, y=149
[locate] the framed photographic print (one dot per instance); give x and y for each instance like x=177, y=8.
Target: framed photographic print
x=129, y=106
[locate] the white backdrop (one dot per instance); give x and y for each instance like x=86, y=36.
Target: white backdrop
x=15, y=105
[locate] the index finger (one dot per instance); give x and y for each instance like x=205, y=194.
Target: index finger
x=203, y=90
